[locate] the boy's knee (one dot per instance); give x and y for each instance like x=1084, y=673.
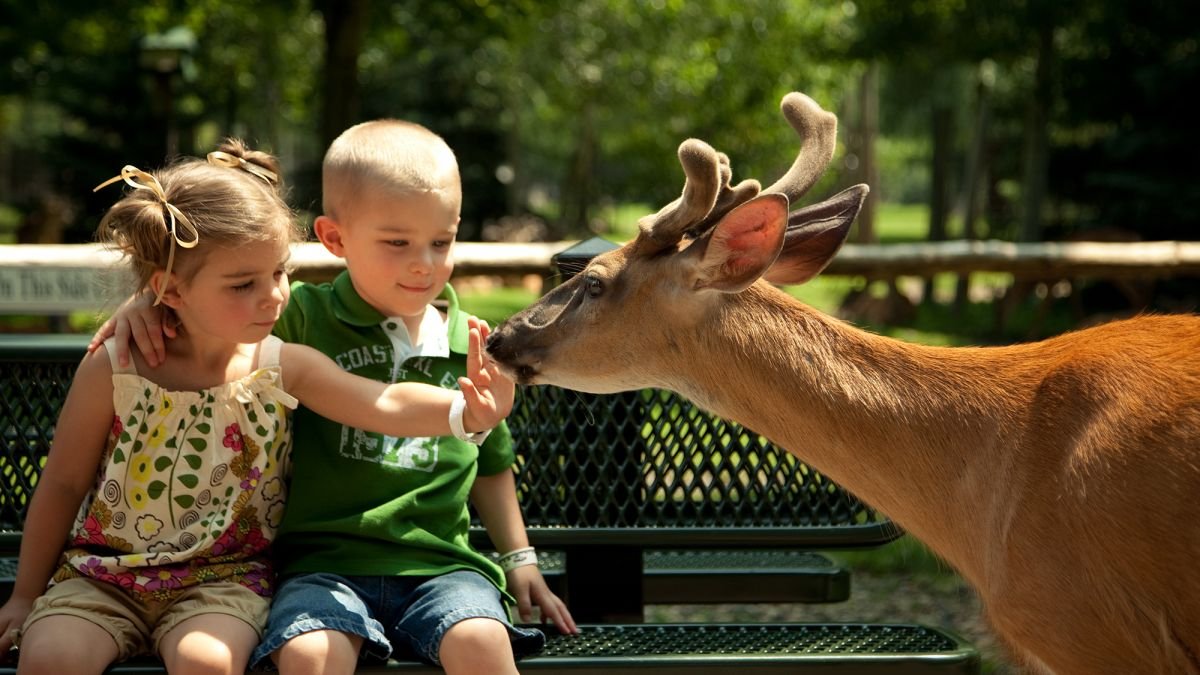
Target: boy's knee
x=319, y=651
x=477, y=637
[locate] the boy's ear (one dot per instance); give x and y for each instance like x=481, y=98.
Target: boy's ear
x=330, y=233
x=170, y=295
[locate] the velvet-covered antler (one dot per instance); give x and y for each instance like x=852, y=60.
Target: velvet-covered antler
x=708, y=194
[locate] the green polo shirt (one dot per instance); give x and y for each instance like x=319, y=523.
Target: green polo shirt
x=366, y=504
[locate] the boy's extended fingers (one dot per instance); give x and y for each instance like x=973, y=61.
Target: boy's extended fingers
x=524, y=605
x=141, y=338
x=483, y=374
x=555, y=610
x=104, y=332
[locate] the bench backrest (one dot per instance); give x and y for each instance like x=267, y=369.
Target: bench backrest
x=636, y=469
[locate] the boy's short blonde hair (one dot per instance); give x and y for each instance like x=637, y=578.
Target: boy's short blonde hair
x=399, y=157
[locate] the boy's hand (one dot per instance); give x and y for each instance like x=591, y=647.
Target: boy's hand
x=488, y=392
x=528, y=586
x=140, y=319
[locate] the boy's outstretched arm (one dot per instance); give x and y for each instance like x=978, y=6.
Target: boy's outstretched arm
x=495, y=499
x=139, y=319
x=403, y=408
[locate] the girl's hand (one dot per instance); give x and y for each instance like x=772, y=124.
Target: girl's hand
x=528, y=586
x=12, y=617
x=489, y=394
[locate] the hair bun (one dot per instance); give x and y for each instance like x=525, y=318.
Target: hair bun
x=235, y=154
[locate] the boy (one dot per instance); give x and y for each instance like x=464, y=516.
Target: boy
x=373, y=548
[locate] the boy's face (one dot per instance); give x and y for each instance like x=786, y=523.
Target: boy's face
x=398, y=248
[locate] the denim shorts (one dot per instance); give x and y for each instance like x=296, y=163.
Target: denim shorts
x=400, y=616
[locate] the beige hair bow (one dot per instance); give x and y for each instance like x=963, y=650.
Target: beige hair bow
x=221, y=158
x=141, y=180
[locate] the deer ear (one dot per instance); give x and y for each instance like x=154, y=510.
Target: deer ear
x=814, y=235
x=743, y=244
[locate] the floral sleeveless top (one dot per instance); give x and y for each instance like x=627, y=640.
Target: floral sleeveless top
x=191, y=485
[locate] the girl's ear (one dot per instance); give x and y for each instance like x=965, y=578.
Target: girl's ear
x=170, y=294
x=329, y=232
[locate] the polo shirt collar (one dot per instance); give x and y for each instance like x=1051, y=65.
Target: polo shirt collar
x=349, y=307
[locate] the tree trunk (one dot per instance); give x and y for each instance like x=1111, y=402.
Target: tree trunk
x=1037, y=140
x=973, y=191
x=942, y=119
x=575, y=195
x=345, y=25
x=868, y=129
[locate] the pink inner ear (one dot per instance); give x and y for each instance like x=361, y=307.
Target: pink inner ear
x=750, y=229
x=750, y=238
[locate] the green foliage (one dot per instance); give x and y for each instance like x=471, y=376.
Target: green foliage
x=496, y=305
x=559, y=108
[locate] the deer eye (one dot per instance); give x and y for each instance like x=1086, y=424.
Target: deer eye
x=594, y=286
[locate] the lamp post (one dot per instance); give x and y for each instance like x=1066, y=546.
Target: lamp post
x=165, y=56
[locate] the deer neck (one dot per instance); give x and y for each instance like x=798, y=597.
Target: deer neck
x=914, y=431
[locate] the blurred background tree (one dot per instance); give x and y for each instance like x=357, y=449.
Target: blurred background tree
x=1016, y=119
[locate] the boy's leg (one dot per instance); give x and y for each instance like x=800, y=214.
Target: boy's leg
x=102, y=623
x=326, y=652
x=477, y=646
x=318, y=624
x=210, y=628
x=459, y=621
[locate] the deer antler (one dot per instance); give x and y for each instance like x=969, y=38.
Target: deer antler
x=708, y=194
x=701, y=165
x=818, y=130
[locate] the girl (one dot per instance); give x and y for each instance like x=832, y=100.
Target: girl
x=167, y=484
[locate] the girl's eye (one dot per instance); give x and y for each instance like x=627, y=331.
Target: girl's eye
x=397, y=242
x=242, y=288
x=441, y=244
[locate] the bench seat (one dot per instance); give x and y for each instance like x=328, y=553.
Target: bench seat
x=858, y=649
x=689, y=576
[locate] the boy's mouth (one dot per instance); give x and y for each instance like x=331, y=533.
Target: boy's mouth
x=414, y=289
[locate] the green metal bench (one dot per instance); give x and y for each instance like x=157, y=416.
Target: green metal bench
x=636, y=499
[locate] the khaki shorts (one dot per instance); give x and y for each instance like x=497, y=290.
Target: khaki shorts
x=138, y=627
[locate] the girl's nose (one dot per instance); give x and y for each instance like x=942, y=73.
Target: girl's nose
x=274, y=298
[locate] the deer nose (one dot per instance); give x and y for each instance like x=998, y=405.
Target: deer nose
x=494, y=342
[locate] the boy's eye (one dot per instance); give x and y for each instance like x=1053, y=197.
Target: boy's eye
x=397, y=242
x=241, y=288
x=441, y=243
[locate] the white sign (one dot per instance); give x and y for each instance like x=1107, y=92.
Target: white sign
x=55, y=290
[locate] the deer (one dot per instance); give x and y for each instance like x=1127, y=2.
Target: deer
x=1060, y=478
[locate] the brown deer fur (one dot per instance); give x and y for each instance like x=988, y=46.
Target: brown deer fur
x=1060, y=478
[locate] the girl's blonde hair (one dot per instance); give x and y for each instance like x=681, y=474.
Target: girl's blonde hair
x=233, y=198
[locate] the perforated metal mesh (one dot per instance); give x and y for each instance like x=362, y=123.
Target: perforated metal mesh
x=31, y=394
x=651, y=459
x=644, y=460
x=747, y=639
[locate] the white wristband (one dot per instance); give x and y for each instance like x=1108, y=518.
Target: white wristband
x=518, y=558
x=457, y=407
